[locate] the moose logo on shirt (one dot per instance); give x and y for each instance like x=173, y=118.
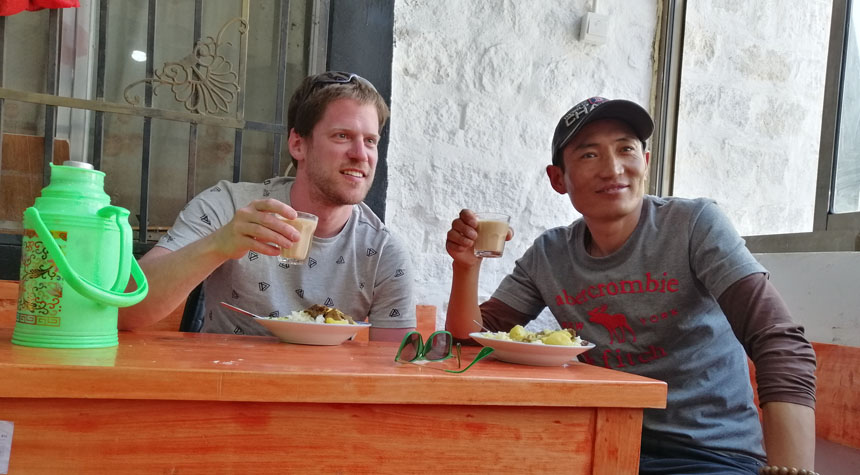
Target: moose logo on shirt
x=615, y=323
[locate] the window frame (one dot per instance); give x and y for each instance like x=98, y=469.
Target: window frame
x=830, y=232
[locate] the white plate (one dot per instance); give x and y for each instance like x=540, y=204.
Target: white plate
x=328, y=334
x=534, y=354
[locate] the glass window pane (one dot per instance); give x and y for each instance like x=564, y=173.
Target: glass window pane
x=263, y=50
x=215, y=149
x=126, y=36
x=264, y=54
x=121, y=152
x=846, y=197
x=257, y=151
x=749, y=119
x=168, y=171
x=25, y=64
x=176, y=62
x=24, y=67
x=26, y=58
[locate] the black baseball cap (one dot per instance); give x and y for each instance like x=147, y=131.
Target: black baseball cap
x=596, y=108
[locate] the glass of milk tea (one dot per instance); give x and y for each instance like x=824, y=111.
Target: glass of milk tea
x=305, y=224
x=492, y=233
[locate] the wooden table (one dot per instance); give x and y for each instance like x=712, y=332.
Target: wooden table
x=180, y=403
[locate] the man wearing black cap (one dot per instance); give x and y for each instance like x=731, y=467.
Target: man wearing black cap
x=665, y=288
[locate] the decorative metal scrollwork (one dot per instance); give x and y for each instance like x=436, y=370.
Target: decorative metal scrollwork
x=204, y=81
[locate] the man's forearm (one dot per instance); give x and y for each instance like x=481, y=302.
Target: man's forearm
x=789, y=435
x=171, y=277
x=463, y=308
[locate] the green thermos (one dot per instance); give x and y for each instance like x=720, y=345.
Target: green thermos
x=76, y=259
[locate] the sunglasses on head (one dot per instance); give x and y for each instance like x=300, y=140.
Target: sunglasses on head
x=330, y=77
x=439, y=347
x=333, y=77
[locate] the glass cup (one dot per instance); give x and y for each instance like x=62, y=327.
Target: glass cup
x=305, y=224
x=492, y=233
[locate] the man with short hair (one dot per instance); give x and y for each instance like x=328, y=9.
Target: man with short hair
x=228, y=235
x=665, y=288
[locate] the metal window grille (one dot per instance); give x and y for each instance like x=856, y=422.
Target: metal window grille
x=156, y=77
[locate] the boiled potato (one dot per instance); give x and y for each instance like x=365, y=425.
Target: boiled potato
x=559, y=337
x=518, y=333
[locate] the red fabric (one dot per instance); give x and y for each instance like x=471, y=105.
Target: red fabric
x=11, y=7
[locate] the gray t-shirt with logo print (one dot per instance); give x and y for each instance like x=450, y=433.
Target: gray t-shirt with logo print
x=364, y=270
x=651, y=309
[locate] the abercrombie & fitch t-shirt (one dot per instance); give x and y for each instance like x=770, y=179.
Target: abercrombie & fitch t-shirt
x=364, y=270
x=651, y=309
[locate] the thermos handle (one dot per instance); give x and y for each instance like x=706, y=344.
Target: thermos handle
x=125, y=255
x=80, y=284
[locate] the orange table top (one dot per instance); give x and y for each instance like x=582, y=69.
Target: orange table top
x=195, y=366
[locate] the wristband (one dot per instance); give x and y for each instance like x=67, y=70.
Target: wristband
x=777, y=470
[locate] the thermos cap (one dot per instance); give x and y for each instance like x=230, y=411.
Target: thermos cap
x=72, y=163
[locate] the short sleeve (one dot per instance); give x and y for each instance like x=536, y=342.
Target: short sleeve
x=393, y=293
x=205, y=213
x=518, y=289
x=718, y=255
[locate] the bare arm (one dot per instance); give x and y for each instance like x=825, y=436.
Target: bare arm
x=789, y=434
x=173, y=274
x=463, y=309
x=171, y=277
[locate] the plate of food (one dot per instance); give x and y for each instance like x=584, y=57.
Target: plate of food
x=315, y=325
x=544, y=348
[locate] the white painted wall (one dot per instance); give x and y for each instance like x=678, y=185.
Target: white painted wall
x=478, y=87
x=822, y=291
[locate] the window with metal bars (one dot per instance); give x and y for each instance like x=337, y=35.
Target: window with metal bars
x=90, y=119
x=834, y=220
x=165, y=96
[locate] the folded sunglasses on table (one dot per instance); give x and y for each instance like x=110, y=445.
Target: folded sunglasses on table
x=439, y=347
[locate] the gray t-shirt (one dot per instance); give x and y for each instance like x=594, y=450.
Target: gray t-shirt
x=364, y=271
x=651, y=309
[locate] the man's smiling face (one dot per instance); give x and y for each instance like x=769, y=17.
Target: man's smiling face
x=604, y=171
x=339, y=157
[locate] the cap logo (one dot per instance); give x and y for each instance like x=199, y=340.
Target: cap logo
x=582, y=109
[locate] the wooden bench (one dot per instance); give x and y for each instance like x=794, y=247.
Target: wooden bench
x=837, y=407
x=8, y=302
